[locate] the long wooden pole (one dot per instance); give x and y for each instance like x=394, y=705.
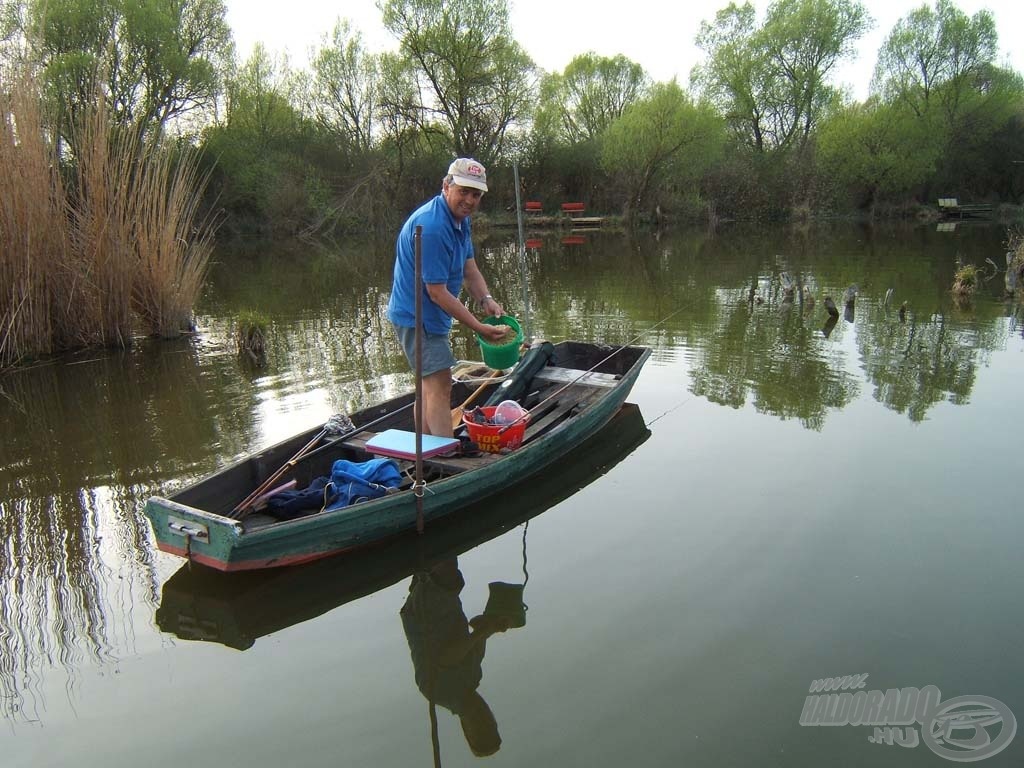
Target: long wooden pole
x=435, y=740
x=418, y=250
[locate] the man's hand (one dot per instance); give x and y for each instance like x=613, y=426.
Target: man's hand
x=489, y=625
x=494, y=333
x=492, y=307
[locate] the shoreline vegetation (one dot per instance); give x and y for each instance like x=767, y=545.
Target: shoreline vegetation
x=98, y=250
x=136, y=135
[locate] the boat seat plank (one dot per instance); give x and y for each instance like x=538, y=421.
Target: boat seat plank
x=572, y=400
x=560, y=375
x=563, y=408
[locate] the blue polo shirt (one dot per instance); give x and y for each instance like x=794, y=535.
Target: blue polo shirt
x=446, y=247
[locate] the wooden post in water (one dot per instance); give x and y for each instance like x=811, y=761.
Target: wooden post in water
x=418, y=282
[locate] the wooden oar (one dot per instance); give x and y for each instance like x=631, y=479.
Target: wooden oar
x=458, y=410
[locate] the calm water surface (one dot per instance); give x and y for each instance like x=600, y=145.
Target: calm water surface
x=793, y=500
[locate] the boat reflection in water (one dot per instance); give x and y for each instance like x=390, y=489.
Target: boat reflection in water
x=199, y=603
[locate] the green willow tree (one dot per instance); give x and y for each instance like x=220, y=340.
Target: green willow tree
x=574, y=109
x=661, y=143
x=261, y=101
x=806, y=40
x=255, y=150
x=932, y=57
x=771, y=81
x=736, y=77
x=65, y=41
x=344, y=88
x=476, y=79
x=151, y=60
x=592, y=92
x=938, y=63
x=876, y=152
x=398, y=109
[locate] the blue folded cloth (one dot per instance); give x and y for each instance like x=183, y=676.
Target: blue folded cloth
x=350, y=482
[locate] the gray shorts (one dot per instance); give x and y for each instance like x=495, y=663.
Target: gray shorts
x=437, y=350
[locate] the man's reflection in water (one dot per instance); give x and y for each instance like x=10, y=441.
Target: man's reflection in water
x=448, y=650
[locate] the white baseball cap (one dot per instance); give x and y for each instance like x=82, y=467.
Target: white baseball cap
x=467, y=172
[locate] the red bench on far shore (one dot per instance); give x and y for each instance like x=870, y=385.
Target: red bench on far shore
x=533, y=206
x=573, y=209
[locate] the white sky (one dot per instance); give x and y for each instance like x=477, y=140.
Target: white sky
x=657, y=34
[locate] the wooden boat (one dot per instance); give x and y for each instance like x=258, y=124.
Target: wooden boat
x=569, y=399
x=236, y=609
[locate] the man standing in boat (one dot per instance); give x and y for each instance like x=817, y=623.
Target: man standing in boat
x=448, y=263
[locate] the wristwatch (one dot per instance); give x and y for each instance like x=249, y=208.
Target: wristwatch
x=484, y=298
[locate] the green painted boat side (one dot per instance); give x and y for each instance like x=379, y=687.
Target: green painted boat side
x=216, y=540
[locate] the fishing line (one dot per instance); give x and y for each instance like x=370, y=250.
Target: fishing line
x=659, y=323
x=670, y=410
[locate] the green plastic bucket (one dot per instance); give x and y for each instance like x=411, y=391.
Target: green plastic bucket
x=505, y=355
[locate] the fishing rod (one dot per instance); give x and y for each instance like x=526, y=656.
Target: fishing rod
x=599, y=363
x=305, y=454
x=361, y=428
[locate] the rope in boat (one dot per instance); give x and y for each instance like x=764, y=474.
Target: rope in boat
x=526, y=575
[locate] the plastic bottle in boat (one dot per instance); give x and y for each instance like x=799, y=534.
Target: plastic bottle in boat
x=508, y=411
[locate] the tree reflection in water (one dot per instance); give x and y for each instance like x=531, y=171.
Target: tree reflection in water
x=84, y=444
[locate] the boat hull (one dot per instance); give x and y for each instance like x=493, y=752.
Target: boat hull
x=218, y=541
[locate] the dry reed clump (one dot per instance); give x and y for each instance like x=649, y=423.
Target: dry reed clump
x=173, y=242
x=102, y=253
x=119, y=247
x=965, y=281
x=33, y=232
